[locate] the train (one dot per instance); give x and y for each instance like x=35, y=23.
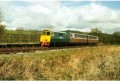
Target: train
x=51, y=38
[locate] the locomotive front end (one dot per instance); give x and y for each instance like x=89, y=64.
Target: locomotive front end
x=45, y=38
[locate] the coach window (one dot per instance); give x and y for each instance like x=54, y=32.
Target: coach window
x=82, y=36
x=75, y=35
x=71, y=35
x=65, y=34
x=95, y=37
x=92, y=37
x=60, y=34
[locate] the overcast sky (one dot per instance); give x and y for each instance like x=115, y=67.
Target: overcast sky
x=61, y=15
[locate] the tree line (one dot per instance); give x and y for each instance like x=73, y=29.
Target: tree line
x=106, y=38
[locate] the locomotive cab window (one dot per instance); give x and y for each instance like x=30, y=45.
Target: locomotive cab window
x=48, y=33
x=45, y=33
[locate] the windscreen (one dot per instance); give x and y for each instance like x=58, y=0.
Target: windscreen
x=45, y=33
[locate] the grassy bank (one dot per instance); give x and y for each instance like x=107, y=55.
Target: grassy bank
x=102, y=62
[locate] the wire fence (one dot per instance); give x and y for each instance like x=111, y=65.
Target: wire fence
x=20, y=38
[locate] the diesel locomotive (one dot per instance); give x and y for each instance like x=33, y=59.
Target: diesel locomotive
x=51, y=38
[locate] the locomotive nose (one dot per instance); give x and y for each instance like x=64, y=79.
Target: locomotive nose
x=45, y=41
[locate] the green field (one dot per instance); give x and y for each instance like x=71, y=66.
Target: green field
x=88, y=63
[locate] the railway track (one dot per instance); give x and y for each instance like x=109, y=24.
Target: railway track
x=20, y=49
x=32, y=49
x=7, y=48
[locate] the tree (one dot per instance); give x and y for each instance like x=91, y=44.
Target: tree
x=0, y=16
x=103, y=37
x=117, y=33
x=95, y=30
x=116, y=37
x=2, y=28
x=20, y=29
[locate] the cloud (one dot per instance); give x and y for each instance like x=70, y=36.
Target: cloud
x=0, y=16
x=98, y=13
x=40, y=14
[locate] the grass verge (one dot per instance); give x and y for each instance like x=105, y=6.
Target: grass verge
x=98, y=63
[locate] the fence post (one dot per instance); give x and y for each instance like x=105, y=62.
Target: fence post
x=3, y=38
x=29, y=35
x=20, y=37
x=37, y=37
x=9, y=37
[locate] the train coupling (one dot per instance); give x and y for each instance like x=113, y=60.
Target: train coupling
x=44, y=44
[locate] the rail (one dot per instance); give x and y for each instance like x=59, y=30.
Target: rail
x=32, y=49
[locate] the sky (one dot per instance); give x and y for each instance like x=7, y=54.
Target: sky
x=60, y=15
